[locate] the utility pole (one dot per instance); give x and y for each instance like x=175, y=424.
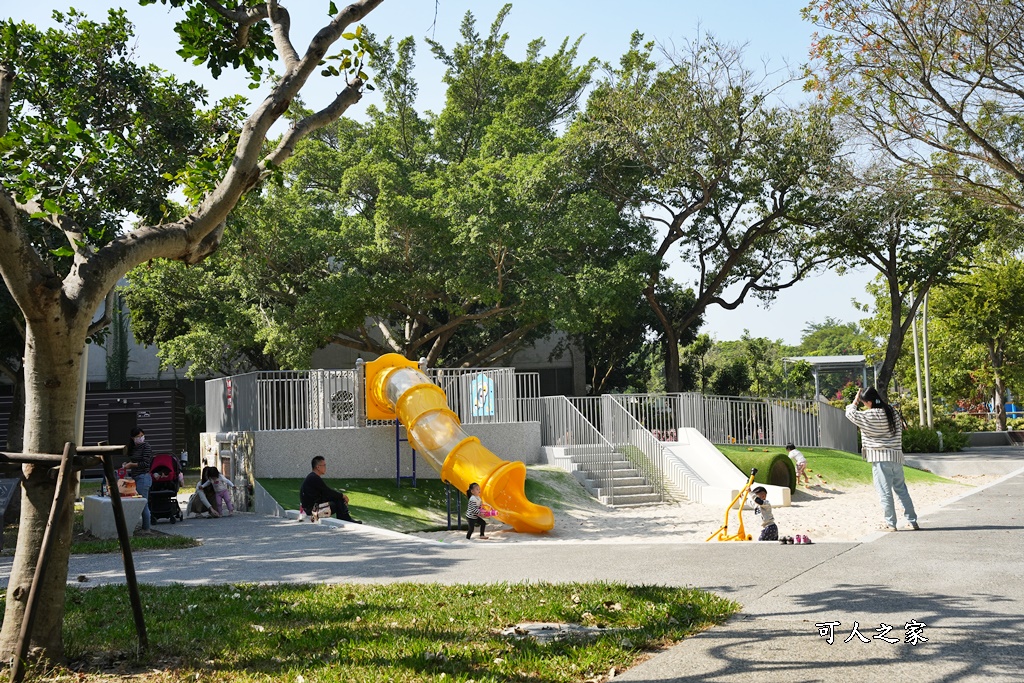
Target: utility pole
x=927, y=367
x=917, y=373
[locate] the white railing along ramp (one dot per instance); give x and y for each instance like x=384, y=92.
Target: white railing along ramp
x=721, y=480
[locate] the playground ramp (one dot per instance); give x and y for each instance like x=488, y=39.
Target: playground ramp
x=396, y=388
x=705, y=475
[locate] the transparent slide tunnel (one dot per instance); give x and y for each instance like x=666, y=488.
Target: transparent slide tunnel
x=396, y=388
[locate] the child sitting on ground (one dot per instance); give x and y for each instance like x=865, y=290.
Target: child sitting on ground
x=222, y=492
x=202, y=501
x=769, y=531
x=473, y=511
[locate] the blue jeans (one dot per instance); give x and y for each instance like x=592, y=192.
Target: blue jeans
x=888, y=477
x=143, y=482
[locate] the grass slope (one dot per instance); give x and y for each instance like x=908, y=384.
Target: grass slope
x=423, y=508
x=397, y=632
x=835, y=467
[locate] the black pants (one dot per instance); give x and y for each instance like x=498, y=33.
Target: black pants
x=340, y=509
x=476, y=521
x=769, y=533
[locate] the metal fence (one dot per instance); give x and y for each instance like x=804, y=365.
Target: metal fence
x=330, y=399
x=751, y=421
x=658, y=413
x=570, y=424
x=637, y=442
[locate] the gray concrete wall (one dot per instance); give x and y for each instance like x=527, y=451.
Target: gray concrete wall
x=975, y=439
x=369, y=453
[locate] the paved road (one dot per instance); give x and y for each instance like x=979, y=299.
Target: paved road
x=961, y=576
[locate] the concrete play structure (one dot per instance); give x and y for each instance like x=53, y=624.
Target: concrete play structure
x=709, y=477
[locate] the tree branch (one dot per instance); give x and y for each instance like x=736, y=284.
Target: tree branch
x=196, y=236
x=25, y=273
x=6, y=82
x=345, y=99
x=244, y=18
x=281, y=21
x=108, y=311
x=472, y=359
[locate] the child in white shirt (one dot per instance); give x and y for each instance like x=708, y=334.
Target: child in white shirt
x=801, y=463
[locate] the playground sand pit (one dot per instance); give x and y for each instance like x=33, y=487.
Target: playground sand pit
x=823, y=512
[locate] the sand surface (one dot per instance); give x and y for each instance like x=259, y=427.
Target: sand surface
x=822, y=512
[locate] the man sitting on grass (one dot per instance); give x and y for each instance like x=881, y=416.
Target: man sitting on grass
x=314, y=491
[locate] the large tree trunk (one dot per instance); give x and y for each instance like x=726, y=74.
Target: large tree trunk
x=53, y=357
x=671, y=342
x=16, y=421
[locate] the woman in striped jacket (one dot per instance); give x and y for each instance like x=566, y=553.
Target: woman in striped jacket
x=881, y=435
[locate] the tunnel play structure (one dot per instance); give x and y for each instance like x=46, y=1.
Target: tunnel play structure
x=395, y=388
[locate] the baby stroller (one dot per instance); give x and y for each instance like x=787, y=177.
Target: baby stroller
x=163, y=495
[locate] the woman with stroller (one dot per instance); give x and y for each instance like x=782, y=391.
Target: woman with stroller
x=141, y=459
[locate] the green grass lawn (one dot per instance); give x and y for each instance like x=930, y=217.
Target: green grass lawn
x=398, y=632
x=85, y=544
x=837, y=467
x=380, y=503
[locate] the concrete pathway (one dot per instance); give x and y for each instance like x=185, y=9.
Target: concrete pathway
x=962, y=576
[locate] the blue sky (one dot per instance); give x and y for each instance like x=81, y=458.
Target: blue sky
x=771, y=29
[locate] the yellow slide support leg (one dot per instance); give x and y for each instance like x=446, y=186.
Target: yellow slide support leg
x=396, y=388
x=741, y=533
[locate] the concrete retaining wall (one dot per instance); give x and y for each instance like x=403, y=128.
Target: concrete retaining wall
x=976, y=439
x=369, y=453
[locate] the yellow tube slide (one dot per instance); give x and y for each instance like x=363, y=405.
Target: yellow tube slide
x=396, y=388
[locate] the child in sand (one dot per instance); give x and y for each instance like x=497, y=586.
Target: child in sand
x=769, y=530
x=801, y=463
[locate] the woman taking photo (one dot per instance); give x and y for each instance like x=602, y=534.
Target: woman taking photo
x=881, y=435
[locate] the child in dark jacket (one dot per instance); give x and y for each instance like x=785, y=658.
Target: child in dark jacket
x=473, y=511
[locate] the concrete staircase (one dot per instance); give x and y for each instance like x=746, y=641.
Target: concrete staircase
x=614, y=481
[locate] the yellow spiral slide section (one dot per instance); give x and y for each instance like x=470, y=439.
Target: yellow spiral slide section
x=396, y=388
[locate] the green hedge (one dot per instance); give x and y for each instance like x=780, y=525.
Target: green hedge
x=925, y=440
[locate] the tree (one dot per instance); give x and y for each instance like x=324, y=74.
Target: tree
x=697, y=151
x=935, y=83
x=697, y=356
x=915, y=235
x=835, y=338
x=458, y=237
x=91, y=140
x=980, y=327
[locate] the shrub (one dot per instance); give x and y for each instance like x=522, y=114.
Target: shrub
x=925, y=440
x=1015, y=424
x=954, y=441
x=920, y=440
x=966, y=422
